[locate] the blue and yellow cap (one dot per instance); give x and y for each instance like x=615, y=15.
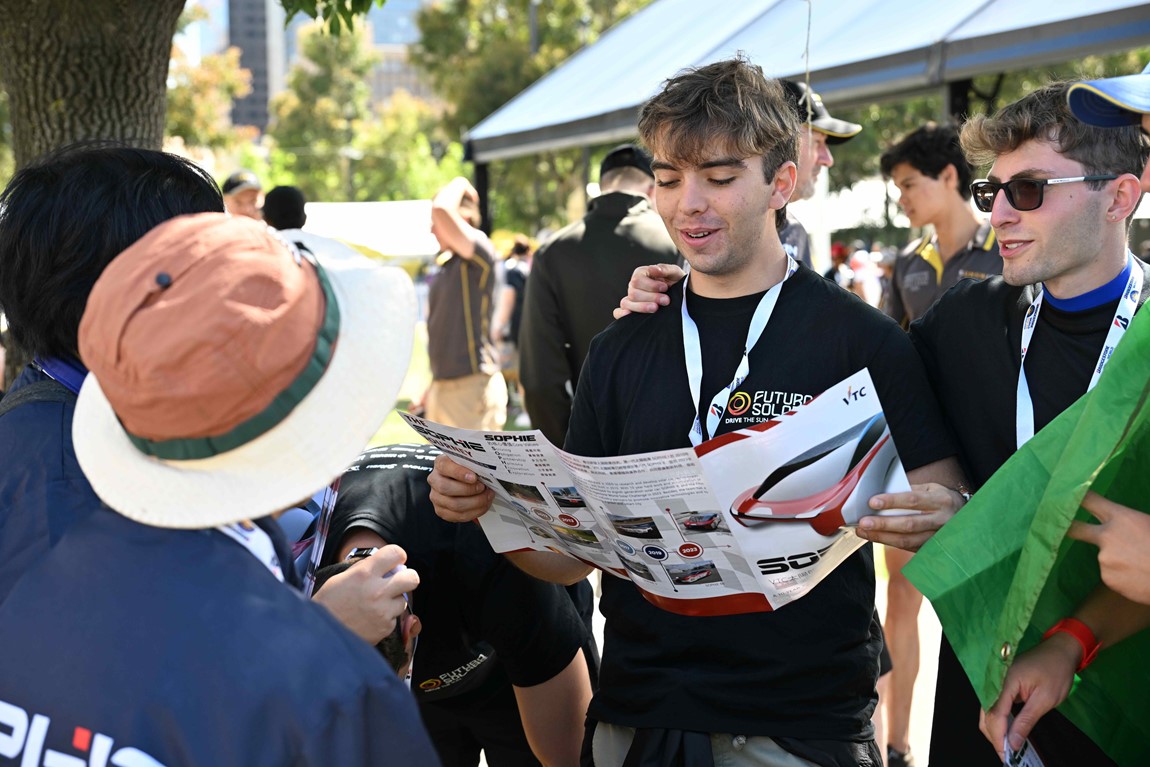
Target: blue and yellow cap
x=1113, y=102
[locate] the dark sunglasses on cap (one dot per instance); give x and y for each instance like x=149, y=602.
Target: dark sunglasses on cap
x=1022, y=193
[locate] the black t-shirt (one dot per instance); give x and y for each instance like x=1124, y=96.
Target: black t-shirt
x=970, y=344
x=809, y=669
x=481, y=616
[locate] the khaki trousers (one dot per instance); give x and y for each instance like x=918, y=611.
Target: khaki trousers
x=471, y=402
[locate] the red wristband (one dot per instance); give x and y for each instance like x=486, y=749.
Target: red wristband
x=1084, y=636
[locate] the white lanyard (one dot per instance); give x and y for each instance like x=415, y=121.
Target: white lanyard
x=259, y=543
x=1024, y=427
x=693, y=350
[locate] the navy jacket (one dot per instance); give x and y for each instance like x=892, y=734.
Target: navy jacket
x=42, y=490
x=133, y=645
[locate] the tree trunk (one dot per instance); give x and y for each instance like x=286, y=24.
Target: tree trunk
x=79, y=70
x=85, y=69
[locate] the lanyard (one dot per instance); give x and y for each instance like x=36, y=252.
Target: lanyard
x=1024, y=417
x=256, y=541
x=693, y=350
x=69, y=373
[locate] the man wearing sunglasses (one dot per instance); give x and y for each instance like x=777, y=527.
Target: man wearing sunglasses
x=1042, y=677
x=1124, y=537
x=1008, y=354
x=933, y=179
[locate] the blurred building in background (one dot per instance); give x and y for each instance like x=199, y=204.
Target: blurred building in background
x=269, y=49
x=256, y=27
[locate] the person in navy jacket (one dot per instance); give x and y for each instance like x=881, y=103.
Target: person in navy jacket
x=231, y=375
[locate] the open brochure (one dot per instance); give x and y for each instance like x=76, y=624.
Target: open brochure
x=745, y=522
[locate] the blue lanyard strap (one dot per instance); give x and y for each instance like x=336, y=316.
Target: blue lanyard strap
x=66, y=372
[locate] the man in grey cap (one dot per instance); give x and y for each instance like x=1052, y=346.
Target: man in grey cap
x=820, y=133
x=244, y=194
x=574, y=279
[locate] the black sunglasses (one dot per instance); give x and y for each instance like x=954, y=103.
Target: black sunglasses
x=1022, y=193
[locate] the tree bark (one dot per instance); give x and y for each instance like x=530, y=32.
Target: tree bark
x=85, y=69
x=78, y=70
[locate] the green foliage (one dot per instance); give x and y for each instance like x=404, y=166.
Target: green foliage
x=338, y=15
x=883, y=125
x=200, y=99
x=405, y=153
x=329, y=141
x=192, y=13
x=316, y=122
x=477, y=56
x=200, y=95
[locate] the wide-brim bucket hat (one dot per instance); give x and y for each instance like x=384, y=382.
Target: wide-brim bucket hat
x=233, y=374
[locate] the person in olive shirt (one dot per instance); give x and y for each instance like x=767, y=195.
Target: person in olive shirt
x=467, y=390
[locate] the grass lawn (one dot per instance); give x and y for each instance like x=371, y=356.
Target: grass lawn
x=394, y=430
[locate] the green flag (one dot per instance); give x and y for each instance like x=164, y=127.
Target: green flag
x=1002, y=571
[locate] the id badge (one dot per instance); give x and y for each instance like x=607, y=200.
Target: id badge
x=1026, y=756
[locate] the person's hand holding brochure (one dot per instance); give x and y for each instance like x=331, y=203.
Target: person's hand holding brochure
x=748, y=521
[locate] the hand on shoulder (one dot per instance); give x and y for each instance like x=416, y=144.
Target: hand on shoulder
x=646, y=291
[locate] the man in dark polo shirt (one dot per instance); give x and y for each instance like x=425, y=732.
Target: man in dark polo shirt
x=467, y=389
x=933, y=178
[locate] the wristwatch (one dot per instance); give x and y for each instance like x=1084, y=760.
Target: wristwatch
x=362, y=552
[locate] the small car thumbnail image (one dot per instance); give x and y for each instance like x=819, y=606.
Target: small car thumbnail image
x=567, y=497
x=577, y=537
x=637, y=568
x=527, y=493
x=694, y=573
x=702, y=522
x=635, y=527
x=539, y=532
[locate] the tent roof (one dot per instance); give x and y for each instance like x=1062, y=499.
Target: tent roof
x=860, y=50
